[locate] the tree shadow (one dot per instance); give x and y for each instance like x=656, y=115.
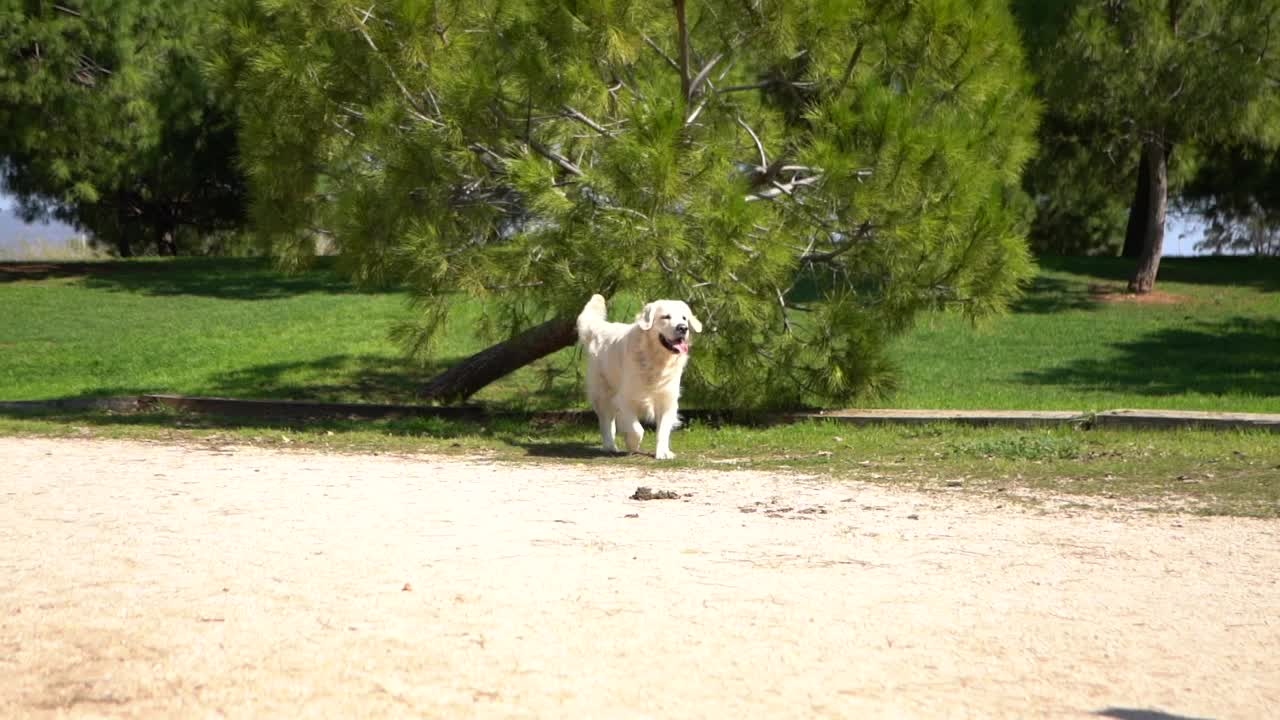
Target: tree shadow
x=1240, y=355
x=1136, y=714
x=221, y=278
x=1051, y=295
x=362, y=378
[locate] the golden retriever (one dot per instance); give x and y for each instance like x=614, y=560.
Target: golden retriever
x=634, y=369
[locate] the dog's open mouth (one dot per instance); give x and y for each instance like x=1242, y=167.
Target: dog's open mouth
x=679, y=347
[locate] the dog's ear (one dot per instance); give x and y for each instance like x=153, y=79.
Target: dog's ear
x=645, y=318
x=695, y=323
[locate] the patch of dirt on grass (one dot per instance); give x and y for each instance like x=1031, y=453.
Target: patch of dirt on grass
x=1121, y=294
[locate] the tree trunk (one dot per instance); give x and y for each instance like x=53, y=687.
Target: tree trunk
x=467, y=377
x=1156, y=159
x=1136, y=231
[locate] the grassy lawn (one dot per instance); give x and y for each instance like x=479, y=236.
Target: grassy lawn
x=237, y=328
x=1210, y=342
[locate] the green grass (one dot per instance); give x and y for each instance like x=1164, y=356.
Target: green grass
x=1211, y=473
x=1216, y=346
x=237, y=328
x=231, y=327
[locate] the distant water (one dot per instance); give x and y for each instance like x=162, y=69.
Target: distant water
x=17, y=236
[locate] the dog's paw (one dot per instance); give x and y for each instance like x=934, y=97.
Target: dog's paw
x=664, y=455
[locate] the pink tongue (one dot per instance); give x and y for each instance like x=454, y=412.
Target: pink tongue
x=682, y=346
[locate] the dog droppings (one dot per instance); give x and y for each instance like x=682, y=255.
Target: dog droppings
x=646, y=493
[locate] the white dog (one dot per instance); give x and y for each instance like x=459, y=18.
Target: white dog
x=633, y=370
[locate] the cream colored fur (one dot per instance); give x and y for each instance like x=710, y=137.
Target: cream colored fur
x=631, y=375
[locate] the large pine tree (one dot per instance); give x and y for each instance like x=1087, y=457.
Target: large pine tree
x=809, y=175
x=106, y=121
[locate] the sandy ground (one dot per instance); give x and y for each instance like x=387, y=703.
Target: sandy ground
x=151, y=580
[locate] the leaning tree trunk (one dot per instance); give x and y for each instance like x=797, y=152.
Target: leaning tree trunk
x=1135, y=231
x=467, y=377
x=1155, y=157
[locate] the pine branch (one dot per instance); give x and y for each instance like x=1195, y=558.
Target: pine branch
x=395, y=77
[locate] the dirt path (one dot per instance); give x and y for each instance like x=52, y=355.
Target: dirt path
x=150, y=580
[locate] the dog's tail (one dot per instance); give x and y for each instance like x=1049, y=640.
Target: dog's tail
x=594, y=312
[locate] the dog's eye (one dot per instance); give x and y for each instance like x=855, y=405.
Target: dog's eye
x=666, y=317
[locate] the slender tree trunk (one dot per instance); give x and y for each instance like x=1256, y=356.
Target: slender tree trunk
x=1135, y=232
x=467, y=377
x=1156, y=158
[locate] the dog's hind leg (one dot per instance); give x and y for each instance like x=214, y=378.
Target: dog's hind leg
x=629, y=424
x=605, y=413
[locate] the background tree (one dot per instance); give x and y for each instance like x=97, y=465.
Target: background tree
x=809, y=175
x=1237, y=191
x=1154, y=76
x=107, y=122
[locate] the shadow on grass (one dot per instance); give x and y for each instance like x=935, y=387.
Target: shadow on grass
x=1240, y=355
x=1050, y=295
x=339, y=378
x=222, y=278
x=563, y=439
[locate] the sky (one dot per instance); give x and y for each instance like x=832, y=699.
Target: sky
x=1181, y=234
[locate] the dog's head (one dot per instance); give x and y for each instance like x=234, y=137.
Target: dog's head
x=671, y=322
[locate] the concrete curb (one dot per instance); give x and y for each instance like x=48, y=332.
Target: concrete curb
x=302, y=410
x=1174, y=419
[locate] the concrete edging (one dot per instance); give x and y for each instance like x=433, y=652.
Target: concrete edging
x=302, y=409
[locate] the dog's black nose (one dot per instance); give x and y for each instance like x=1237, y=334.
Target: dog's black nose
x=681, y=329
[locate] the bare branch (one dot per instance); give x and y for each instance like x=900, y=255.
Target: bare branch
x=703, y=73
x=753, y=86
x=554, y=157
x=782, y=302
x=674, y=65
x=570, y=112
x=696, y=112
x=764, y=159
x=68, y=11
x=848, y=69
x=781, y=189
x=863, y=232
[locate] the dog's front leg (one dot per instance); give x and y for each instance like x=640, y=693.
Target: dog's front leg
x=666, y=422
